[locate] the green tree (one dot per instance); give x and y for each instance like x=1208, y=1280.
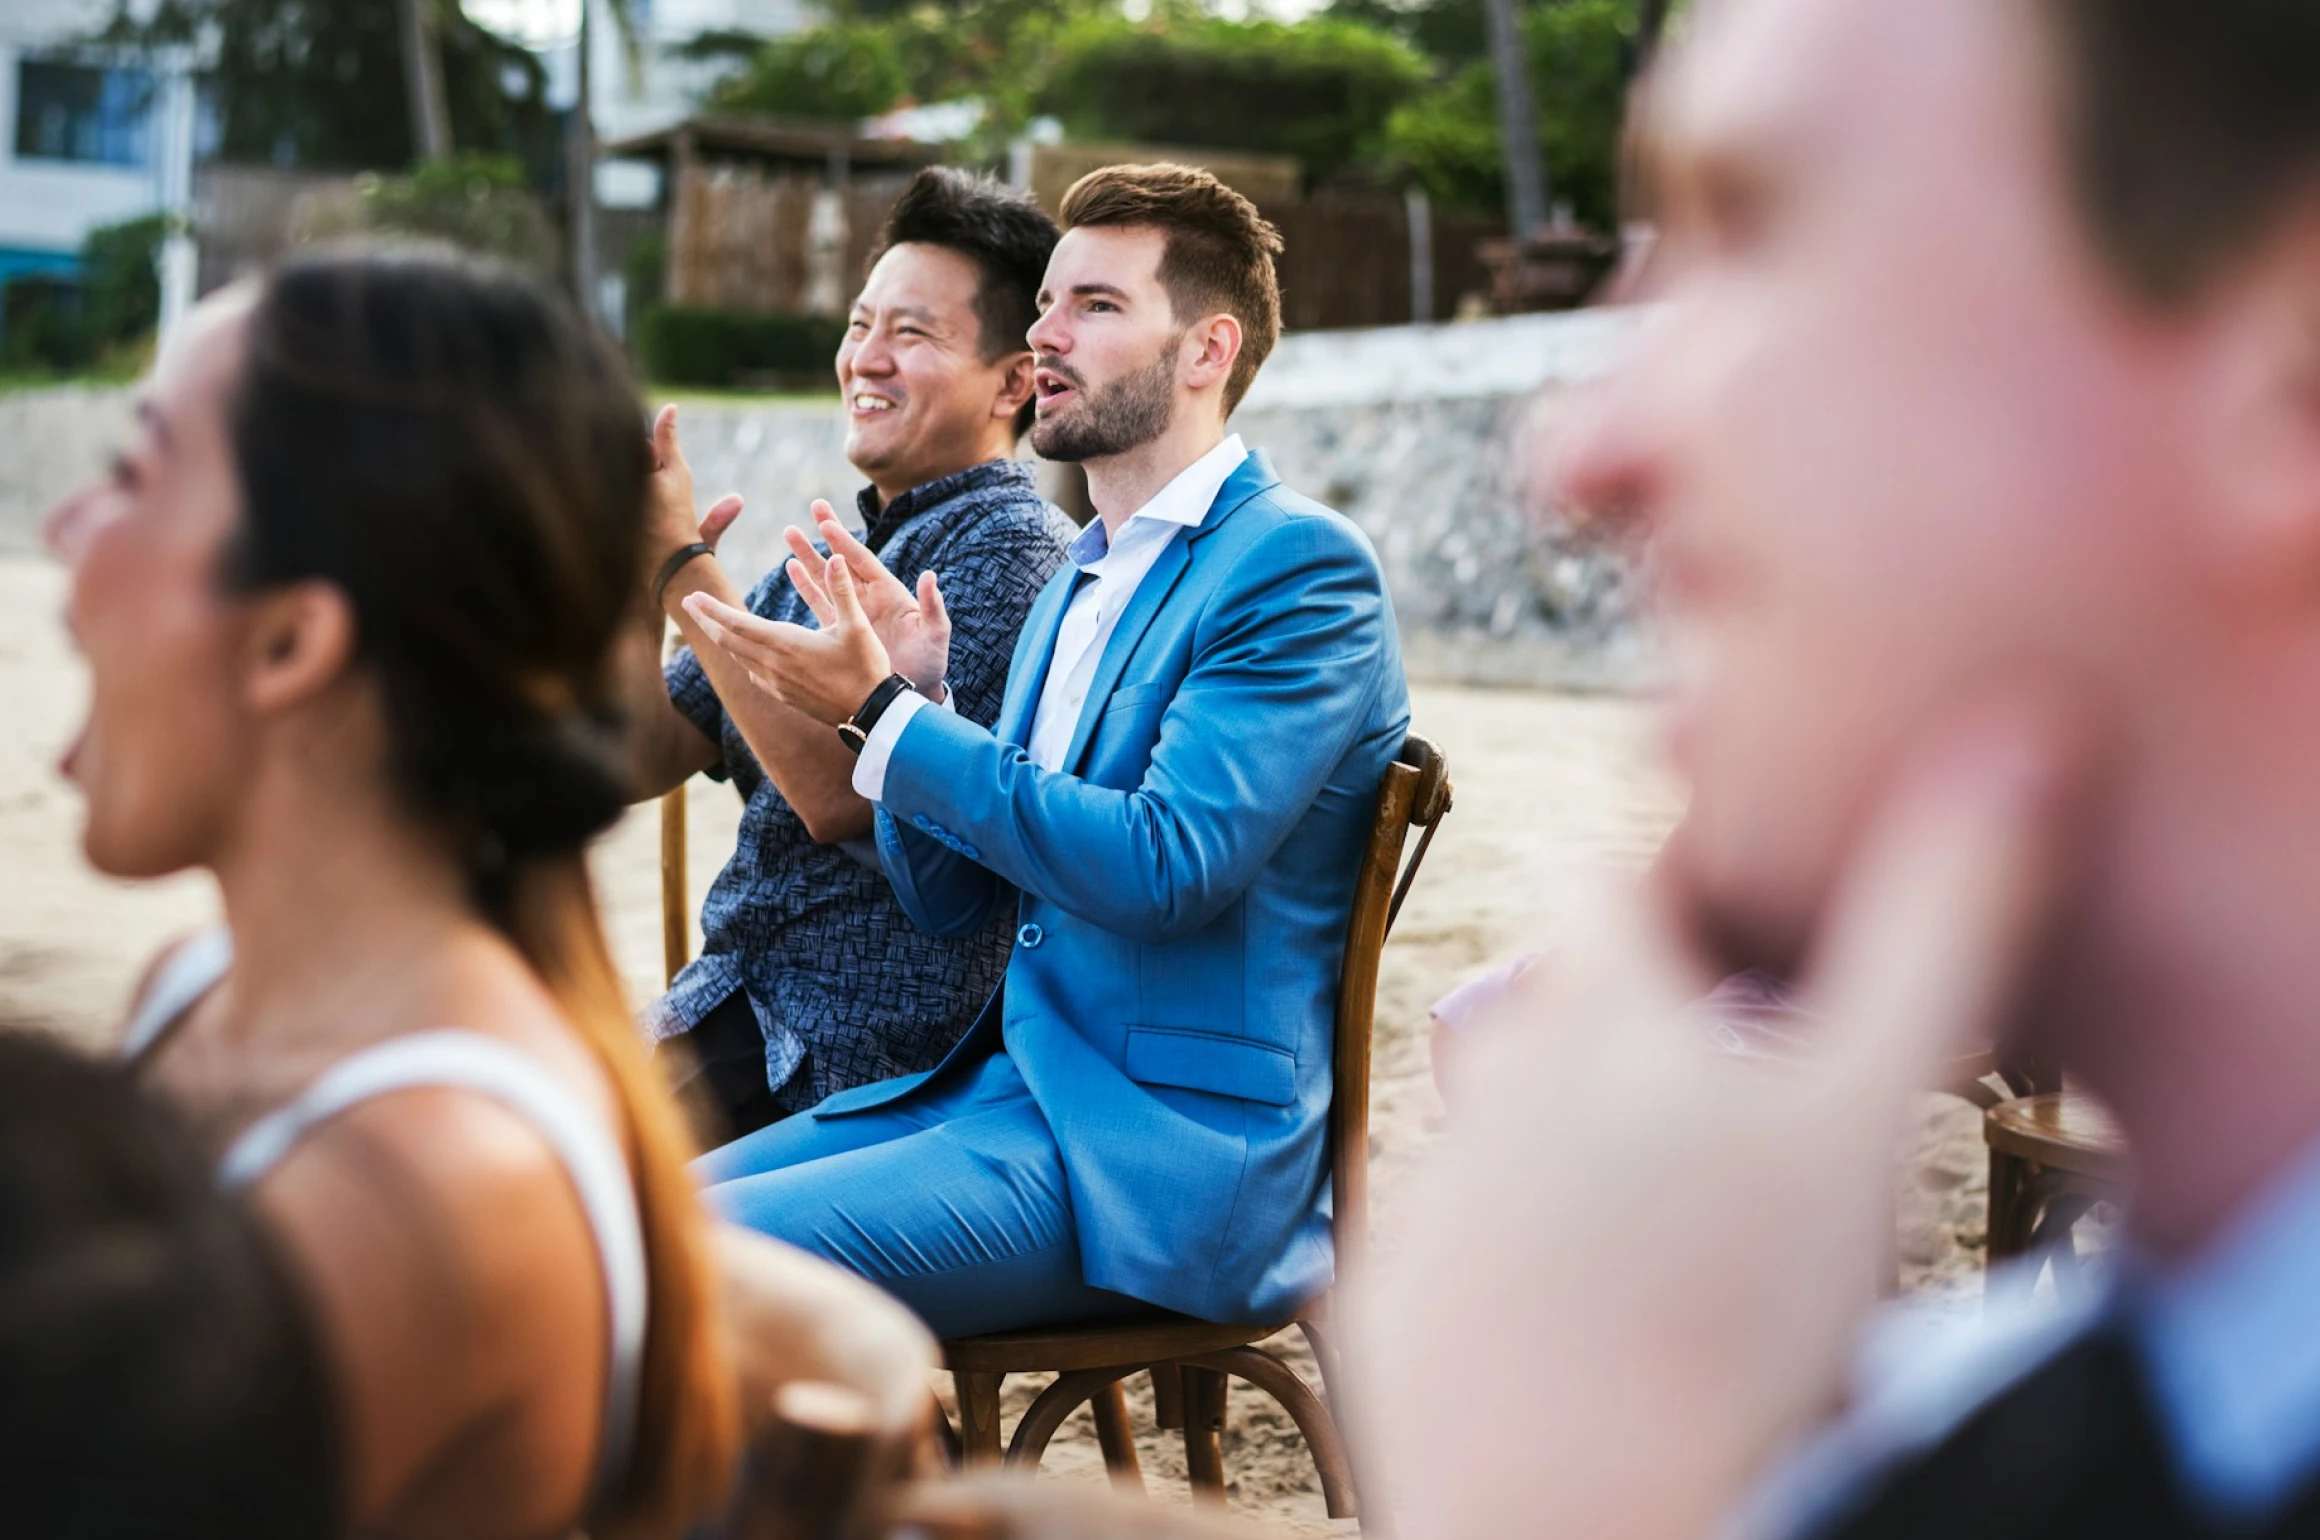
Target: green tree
x=1321, y=90
x=874, y=55
x=322, y=86
x=1579, y=52
x=844, y=70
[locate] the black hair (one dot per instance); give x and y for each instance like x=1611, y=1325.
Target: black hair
x=453, y=447
x=1008, y=236
x=160, y=1373
x=435, y=436
x=2193, y=130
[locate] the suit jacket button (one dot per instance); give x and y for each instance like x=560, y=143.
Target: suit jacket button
x=1030, y=936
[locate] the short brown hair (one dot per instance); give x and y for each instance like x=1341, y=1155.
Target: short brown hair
x=1219, y=255
x=2192, y=130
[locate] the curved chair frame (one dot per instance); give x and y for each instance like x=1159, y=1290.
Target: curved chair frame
x=1189, y=1360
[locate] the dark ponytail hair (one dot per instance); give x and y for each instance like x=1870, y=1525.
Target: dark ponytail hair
x=452, y=447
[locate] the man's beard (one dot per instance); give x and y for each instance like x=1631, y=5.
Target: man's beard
x=1129, y=413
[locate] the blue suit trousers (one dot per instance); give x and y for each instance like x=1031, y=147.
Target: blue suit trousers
x=953, y=1201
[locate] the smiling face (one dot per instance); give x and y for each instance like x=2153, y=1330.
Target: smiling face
x=167, y=741
x=1901, y=438
x=1107, y=345
x=923, y=400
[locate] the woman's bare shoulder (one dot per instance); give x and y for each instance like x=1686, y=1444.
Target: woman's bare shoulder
x=457, y=1278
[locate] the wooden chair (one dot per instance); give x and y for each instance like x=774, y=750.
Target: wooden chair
x=1190, y=1360
x=2053, y=1156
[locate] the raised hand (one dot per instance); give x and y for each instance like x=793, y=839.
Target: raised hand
x=1637, y=1267
x=827, y=674
x=915, y=628
x=670, y=522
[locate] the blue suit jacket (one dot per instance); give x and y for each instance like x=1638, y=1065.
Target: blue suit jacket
x=1184, y=885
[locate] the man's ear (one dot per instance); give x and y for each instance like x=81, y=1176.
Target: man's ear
x=301, y=640
x=2262, y=418
x=1015, y=387
x=1211, y=345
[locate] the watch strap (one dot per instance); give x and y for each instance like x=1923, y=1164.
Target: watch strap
x=855, y=731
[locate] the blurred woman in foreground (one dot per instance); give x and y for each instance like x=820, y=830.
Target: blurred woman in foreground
x=348, y=600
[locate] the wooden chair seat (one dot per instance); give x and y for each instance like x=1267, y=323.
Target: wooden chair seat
x=2053, y=1156
x=2061, y=1131
x=1190, y=1360
x=1128, y=1343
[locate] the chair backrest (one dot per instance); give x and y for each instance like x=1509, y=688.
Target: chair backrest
x=1414, y=795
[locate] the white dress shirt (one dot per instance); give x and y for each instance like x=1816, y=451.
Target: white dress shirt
x=1111, y=570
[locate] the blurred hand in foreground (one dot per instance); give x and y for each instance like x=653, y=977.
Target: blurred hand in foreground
x=1636, y=1269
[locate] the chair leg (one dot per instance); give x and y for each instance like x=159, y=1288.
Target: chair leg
x=1167, y=1397
x=978, y=1416
x=1204, y=1431
x=1322, y=1435
x=1050, y=1407
x=1119, y=1443
x=2009, y=1226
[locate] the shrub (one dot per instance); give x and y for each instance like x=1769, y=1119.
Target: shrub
x=721, y=349
x=473, y=201
x=105, y=311
x=1320, y=90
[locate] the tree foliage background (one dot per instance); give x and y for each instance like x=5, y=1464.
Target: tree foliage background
x=320, y=86
x=1364, y=89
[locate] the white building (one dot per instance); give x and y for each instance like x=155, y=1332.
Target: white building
x=654, y=86
x=84, y=141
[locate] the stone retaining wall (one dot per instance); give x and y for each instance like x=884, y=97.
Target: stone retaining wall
x=1429, y=437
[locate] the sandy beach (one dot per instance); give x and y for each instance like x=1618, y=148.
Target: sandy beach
x=1541, y=779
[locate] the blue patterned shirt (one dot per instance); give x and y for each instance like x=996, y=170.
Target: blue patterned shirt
x=845, y=988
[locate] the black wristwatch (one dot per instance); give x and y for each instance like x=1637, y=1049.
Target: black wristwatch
x=855, y=730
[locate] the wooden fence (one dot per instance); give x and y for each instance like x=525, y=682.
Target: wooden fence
x=772, y=242
x=778, y=241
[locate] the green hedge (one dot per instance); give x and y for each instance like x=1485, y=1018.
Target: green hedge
x=722, y=349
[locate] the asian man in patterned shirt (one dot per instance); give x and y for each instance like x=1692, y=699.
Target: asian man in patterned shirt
x=811, y=979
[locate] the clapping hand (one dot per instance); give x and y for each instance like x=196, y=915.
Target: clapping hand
x=827, y=674
x=914, y=627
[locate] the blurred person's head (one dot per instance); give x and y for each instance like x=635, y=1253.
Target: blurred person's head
x=1159, y=305
x=935, y=369
x=1988, y=351
x=159, y=1372
x=360, y=571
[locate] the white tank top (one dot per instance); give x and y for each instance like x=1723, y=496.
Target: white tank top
x=468, y=1061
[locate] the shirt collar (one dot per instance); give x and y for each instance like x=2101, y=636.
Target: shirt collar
x=879, y=524
x=2231, y=1338
x=1185, y=501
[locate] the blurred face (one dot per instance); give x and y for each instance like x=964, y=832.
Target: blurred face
x=167, y=740
x=1901, y=439
x=1106, y=345
x=922, y=401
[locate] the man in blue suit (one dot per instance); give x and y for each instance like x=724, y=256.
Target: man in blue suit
x=1175, y=800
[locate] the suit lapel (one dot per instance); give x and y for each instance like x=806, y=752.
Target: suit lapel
x=1253, y=475
x=1150, y=594
x=1028, y=676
